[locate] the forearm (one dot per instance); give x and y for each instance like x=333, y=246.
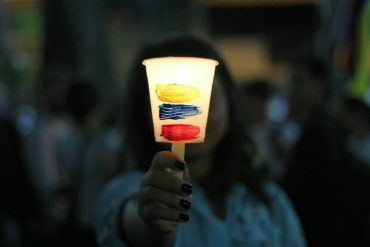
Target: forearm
x=138, y=232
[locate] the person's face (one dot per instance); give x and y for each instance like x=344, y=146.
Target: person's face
x=217, y=124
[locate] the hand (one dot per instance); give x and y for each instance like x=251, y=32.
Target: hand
x=165, y=199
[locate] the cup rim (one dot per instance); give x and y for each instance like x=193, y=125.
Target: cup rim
x=174, y=58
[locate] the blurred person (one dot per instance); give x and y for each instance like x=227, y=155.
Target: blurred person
x=255, y=96
x=305, y=97
x=41, y=152
x=254, y=99
x=88, y=155
x=19, y=207
x=324, y=183
x=69, y=122
x=231, y=203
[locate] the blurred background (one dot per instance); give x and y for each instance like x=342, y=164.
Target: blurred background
x=301, y=67
x=99, y=39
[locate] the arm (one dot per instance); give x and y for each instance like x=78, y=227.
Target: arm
x=162, y=203
x=153, y=214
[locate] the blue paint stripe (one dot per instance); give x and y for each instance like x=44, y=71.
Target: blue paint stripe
x=177, y=111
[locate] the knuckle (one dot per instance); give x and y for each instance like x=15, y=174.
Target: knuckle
x=149, y=177
x=150, y=193
x=153, y=178
x=156, y=159
x=174, y=214
x=144, y=193
x=145, y=179
x=165, y=226
x=149, y=212
x=174, y=200
x=142, y=212
x=156, y=223
x=163, y=159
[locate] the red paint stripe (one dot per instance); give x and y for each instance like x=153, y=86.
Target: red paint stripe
x=180, y=132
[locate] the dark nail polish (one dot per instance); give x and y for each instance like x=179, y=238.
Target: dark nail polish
x=188, y=189
x=185, y=204
x=184, y=217
x=179, y=165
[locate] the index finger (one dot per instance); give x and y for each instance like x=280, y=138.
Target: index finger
x=165, y=159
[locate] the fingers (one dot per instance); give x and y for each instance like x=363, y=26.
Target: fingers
x=154, y=211
x=163, y=181
x=169, y=162
x=157, y=175
x=151, y=195
x=164, y=160
x=186, y=175
x=164, y=198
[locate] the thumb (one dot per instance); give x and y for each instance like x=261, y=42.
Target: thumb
x=165, y=161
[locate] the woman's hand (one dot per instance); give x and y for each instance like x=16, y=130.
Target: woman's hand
x=165, y=199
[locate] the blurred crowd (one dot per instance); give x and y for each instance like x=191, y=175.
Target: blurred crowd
x=311, y=131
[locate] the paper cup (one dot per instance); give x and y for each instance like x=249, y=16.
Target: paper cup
x=180, y=90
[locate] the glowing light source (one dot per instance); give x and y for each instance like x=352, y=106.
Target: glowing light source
x=174, y=81
x=180, y=91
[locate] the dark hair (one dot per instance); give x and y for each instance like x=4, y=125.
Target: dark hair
x=262, y=88
x=234, y=153
x=82, y=97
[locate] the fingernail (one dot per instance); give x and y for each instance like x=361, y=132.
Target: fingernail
x=185, y=204
x=180, y=165
x=184, y=217
x=188, y=189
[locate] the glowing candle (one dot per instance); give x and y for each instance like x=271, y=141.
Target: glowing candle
x=180, y=91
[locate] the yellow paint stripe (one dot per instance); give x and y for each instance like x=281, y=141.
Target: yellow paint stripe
x=176, y=93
